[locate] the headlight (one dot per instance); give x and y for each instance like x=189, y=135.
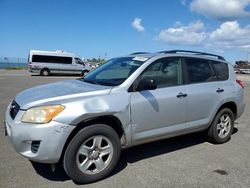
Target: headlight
x=42, y=114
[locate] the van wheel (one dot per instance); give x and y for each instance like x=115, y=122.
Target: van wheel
x=84, y=72
x=45, y=72
x=222, y=126
x=92, y=154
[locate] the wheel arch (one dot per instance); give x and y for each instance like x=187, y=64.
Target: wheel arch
x=231, y=105
x=109, y=120
x=84, y=71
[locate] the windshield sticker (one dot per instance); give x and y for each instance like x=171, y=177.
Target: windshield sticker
x=140, y=59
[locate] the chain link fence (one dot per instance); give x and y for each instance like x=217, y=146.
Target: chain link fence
x=13, y=62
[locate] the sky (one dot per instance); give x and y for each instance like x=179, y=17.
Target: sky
x=110, y=28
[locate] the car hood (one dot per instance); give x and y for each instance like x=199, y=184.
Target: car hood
x=49, y=93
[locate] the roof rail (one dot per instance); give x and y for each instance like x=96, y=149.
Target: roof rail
x=139, y=53
x=193, y=52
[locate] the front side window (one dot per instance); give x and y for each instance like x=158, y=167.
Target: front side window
x=78, y=61
x=114, y=72
x=199, y=70
x=166, y=72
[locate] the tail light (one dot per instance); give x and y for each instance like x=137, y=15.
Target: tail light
x=240, y=83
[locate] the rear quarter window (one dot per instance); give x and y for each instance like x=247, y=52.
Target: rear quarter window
x=221, y=70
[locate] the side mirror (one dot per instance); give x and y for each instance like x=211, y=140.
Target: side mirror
x=146, y=84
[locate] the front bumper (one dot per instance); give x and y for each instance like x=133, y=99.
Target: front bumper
x=48, y=139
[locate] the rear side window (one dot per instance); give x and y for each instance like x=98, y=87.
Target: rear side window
x=221, y=70
x=52, y=59
x=199, y=70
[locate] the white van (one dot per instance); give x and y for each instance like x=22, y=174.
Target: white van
x=48, y=62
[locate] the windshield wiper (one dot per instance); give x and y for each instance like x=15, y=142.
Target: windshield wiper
x=94, y=82
x=80, y=79
x=90, y=81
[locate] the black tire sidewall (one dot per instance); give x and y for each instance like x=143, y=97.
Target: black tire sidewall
x=45, y=70
x=70, y=164
x=213, y=133
x=84, y=72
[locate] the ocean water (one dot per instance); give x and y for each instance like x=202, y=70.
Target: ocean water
x=11, y=65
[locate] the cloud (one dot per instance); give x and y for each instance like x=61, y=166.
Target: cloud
x=227, y=35
x=221, y=9
x=183, y=2
x=191, y=34
x=137, y=25
x=231, y=35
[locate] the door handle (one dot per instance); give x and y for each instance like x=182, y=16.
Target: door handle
x=219, y=90
x=181, y=95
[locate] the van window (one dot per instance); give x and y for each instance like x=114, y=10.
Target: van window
x=221, y=70
x=51, y=59
x=199, y=70
x=78, y=61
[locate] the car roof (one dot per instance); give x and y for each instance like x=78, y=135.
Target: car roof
x=180, y=53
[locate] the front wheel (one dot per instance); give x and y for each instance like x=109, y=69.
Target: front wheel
x=92, y=154
x=84, y=72
x=222, y=126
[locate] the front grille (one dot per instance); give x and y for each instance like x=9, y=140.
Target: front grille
x=14, y=108
x=35, y=146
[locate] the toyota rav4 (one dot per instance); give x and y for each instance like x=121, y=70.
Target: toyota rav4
x=128, y=101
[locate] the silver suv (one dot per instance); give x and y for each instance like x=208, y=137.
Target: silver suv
x=127, y=101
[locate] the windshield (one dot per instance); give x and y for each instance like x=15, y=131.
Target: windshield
x=114, y=72
x=78, y=61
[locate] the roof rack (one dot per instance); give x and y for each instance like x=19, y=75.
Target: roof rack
x=139, y=53
x=193, y=52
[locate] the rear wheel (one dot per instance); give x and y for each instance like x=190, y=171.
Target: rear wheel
x=92, y=154
x=222, y=126
x=45, y=72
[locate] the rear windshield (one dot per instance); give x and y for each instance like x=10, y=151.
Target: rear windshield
x=51, y=59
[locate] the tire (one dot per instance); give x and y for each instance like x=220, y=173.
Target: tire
x=222, y=126
x=81, y=165
x=84, y=72
x=45, y=72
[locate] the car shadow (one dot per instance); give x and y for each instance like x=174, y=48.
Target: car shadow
x=45, y=171
x=131, y=155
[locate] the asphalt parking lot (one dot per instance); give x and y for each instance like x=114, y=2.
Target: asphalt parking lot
x=186, y=161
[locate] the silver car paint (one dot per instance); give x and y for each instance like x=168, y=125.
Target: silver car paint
x=52, y=135
x=169, y=116
x=54, y=92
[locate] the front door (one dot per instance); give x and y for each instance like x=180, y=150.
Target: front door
x=158, y=112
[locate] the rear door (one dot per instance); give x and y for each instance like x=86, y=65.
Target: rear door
x=205, y=92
